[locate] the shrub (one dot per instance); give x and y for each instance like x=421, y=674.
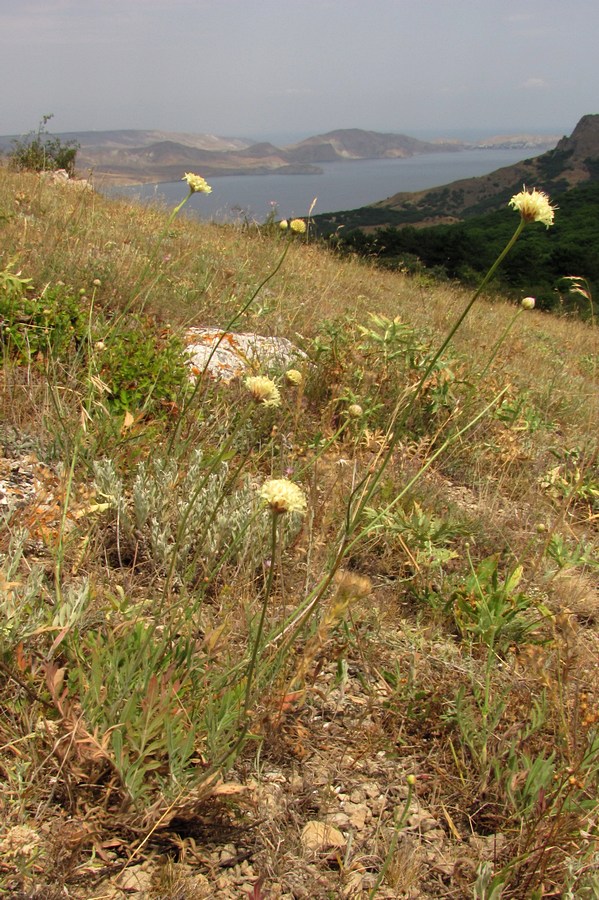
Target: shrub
x=34, y=325
x=143, y=368
x=41, y=152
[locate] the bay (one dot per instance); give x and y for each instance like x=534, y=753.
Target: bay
x=341, y=186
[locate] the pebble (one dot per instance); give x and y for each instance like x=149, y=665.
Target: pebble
x=135, y=880
x=318, y=837
x=358, y=815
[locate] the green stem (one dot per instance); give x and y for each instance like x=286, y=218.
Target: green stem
x=149, y=262
x=396, y=828
x=200, y=378
x=216, y=462
x=267, y=593
x=497, y=346
x=292, y=627
x=353, y=516
x=61, y=530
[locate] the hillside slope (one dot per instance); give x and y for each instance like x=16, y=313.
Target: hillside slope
x=574, y=161
x=133, y=156
x=329, y=631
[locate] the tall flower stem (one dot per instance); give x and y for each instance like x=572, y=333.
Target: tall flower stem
x=369, y=483
x=149, y=262
x=232, y=321
x=267, y=592
x=499, y=343
x=397, y=826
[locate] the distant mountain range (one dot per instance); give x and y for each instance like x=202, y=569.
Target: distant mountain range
x=136, y=157
x=574, y=161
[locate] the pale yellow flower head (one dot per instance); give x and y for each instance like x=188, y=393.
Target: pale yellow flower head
x=263, y=390
x=292, y=376
x=282, y=496
x=533, y=206
x=196, y=183
x=298, y=225
x=528, y=303
x=283, y=224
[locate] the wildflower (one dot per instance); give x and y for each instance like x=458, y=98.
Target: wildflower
x=100, y=345
x=283, y=224
x=533, y=206
x=528, y=303
x=196, y=183
x=263, y=390
x=282, y=496
x=96, y=282
x=293, y=376
x=355, y=411
x=298, y=225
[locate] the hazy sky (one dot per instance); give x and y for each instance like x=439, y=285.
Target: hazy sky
x=298, y=67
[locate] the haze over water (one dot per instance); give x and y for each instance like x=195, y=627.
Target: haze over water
x=343, y=185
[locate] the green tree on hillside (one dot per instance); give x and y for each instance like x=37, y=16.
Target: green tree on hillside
x=463, y=251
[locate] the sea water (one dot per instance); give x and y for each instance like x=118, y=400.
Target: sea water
x=341, y=186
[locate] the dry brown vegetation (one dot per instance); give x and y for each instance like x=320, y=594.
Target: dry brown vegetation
x=393, y=695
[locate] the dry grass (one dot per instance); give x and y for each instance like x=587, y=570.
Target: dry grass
x=127, y=694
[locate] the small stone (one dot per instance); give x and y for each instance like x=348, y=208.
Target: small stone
x=445, y=868
x=488, y=846
x=340, y=819
x=317, y=837
x=423, y=821
x=227, y=856
x=378, y=805
x=357, y=815
x=434, y=834
x=135, y=880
